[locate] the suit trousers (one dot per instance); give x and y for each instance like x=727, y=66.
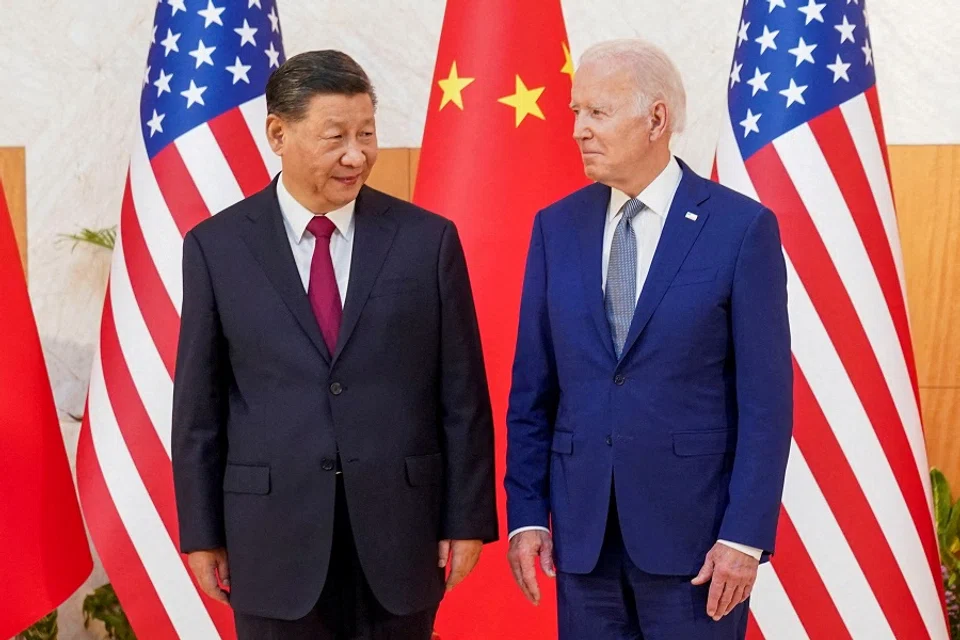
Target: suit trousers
x=347, y=609
x=618, y=601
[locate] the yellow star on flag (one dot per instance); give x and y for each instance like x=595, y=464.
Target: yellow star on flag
x=452, y=87
x=568, y=64
x=524, y=101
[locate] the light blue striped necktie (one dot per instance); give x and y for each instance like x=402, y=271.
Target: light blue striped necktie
x=620, y=298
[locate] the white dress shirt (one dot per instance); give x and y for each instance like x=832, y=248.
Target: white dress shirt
x=296, y=217
x=648, y=227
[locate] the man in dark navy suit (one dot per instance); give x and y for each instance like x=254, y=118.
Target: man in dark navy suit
x=332, y=431
x=651, y=409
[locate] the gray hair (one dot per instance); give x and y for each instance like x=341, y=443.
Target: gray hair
x=656, y=76
x=292, y=86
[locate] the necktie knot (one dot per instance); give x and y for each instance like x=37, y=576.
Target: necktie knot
x=321, y=227
x=631, y=208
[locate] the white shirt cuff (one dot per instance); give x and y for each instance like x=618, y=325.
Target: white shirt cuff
x=522, y=529
x=742, y=548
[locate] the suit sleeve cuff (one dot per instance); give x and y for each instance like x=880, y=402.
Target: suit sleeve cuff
x=753, y=552
x=522, y=529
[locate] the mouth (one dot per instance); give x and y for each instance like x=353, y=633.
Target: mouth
x=348, y=181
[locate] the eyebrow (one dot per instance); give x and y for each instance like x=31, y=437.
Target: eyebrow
x=340, y=122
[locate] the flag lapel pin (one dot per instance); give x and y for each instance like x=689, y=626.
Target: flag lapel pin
x=691, y=216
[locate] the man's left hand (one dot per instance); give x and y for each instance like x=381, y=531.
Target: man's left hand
x=461, y=556
x=732, y=574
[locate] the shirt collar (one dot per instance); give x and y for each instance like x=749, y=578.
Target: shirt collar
x=658, y=196
x=298, y=216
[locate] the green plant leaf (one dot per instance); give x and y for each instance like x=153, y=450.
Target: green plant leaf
x=46, y=628
x=942, y=502
x=952, y=527
x=103, y=605
x=106, y=238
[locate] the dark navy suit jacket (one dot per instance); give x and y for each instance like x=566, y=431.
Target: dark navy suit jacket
x=692, y=424
x=261, y=407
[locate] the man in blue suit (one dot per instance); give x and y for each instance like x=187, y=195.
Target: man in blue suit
x=651, y=408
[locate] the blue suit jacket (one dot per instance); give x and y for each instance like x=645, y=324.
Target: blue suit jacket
x=692, y=424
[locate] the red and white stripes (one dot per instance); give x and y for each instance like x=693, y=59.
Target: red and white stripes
x=123, y=461
x=857, y=554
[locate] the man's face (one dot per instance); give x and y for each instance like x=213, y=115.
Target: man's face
x=327, y=155
x=612, y=133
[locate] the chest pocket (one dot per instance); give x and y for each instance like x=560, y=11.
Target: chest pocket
x=395, y=286
x=694, y=276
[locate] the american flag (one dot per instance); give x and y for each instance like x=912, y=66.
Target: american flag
x=857, y=554
x=200, y=147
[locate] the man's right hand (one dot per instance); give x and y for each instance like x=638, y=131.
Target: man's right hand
x=525, y=548
x=207, y=566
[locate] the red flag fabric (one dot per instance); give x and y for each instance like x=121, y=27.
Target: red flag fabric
x=45, y=556
x=497, y=148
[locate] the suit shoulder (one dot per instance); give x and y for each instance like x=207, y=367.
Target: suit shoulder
x=230, y=217
x=404, y=212
x=729, y=202
x=573, y=204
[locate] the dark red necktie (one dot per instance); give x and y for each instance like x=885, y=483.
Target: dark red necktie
x=323, y=292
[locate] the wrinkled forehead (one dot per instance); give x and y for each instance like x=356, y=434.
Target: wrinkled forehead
x=604, y=79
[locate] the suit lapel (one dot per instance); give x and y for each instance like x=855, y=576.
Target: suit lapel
x=679, y=234
x=267, y=239
x=373, y=236
x=591, y=221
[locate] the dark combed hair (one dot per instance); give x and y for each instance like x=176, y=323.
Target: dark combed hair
x=313, y=73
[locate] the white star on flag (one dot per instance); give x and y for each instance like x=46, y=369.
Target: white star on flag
x=813, y=11
x=750, y=123
x=212, y=14
x=154, y=123
x=767, y=40
x=758, y=81
x=246, y=33
x=274, y=19
x=794, y=93
x=177, y=6
x=194, y=95
x=170, y=43
x=867, y=52
x=202, y=54
x=146, y=76
x=774, y=4
x=274, y=56
x=163, y=83
x=735, y=74
x=742, y=36
x=254, y=2
x=239, y=71
x=839, y=69
x=846, y=30
x=803, y=52
x=153, y=38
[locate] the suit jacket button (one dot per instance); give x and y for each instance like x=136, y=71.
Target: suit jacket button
x=327, y=464
x=619, y=380
x=336, y=388
x=609, y=441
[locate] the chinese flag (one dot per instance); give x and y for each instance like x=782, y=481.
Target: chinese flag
x=44, y=555
x=498, y=146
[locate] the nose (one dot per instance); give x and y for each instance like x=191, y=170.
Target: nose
x=580, y=129
x=353, y=157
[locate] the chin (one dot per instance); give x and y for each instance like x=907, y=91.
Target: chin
x=592, y=173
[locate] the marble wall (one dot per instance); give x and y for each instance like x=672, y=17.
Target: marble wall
x=70, y=75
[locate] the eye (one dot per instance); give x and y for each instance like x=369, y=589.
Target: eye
x=596, y=113
x=366, y=134
x=335, y=137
